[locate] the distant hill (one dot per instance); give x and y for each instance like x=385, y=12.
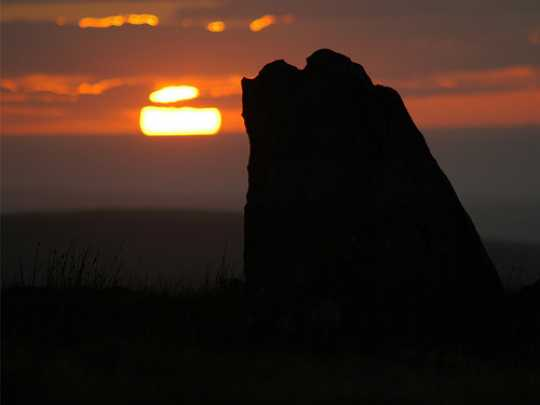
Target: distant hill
x=518, y=263
x=160, y=244
x=493, y=170
x=175, y=244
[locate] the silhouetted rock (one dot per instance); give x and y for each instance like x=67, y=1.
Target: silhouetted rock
x=347, y=205
x=523, y=313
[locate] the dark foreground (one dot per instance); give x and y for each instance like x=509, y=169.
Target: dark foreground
x=101, y=344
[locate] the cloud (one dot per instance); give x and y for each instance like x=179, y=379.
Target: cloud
x=534, y=36
x=498, y=109
x=63, y=104
x=32, y=112
x=115, y=21
x=73, y=11
x=395, y=48
x=172, y=11
x=468, y=81
x=61, y=85
x=268, y=20
x=431, y=52
x=116, y=112
x=102, y=86
x=43, y=83
x=211, y=87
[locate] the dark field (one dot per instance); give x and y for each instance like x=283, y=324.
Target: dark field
x=108, y=345
x=182, y=332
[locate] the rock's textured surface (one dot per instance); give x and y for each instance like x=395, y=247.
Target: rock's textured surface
x=346, y=204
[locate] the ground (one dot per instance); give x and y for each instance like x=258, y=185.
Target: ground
x=91, y=345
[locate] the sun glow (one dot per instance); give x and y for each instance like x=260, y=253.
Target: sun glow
x=172, y=121
x=173, y=94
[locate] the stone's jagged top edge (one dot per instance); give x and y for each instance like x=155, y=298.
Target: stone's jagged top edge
x=327, y=60
x=322, y=60
x=326, y=56
x=277, y=71
x=276, y=68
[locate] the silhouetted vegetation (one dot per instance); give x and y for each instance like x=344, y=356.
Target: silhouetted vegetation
x=75, y=332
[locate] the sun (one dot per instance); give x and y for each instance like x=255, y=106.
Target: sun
x=173, y=94
x=178, y=121
x=174, y=121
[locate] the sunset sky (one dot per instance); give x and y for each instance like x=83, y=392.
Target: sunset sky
x=88, y=67
x=469, y=71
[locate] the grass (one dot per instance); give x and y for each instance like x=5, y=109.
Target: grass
x=76, y=330
x=72, y=268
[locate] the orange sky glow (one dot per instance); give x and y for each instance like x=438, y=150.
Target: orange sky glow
x=507, y=107
x=62, y=73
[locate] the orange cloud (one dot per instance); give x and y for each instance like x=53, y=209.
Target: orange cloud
x=263, y=22
x=57, y=84
x=267, y=20
x=73, y=85
x=60, y=21
x=216, y=26
x=105, y=22
x=495, y=109
x=287, y=19
x=8, y=97
x=56, y=121
x=505, y=108
x=19, y=111
x=99, y=87
x=61, y=85
x=513, y=77
x=36, y=104
x=534, y=36
x=223, y=87
x=119, y=20
x=142, y=19
x=498, y=97
x=40, y=98
x=73, y=12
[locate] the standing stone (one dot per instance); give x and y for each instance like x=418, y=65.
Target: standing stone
x=346, y=205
